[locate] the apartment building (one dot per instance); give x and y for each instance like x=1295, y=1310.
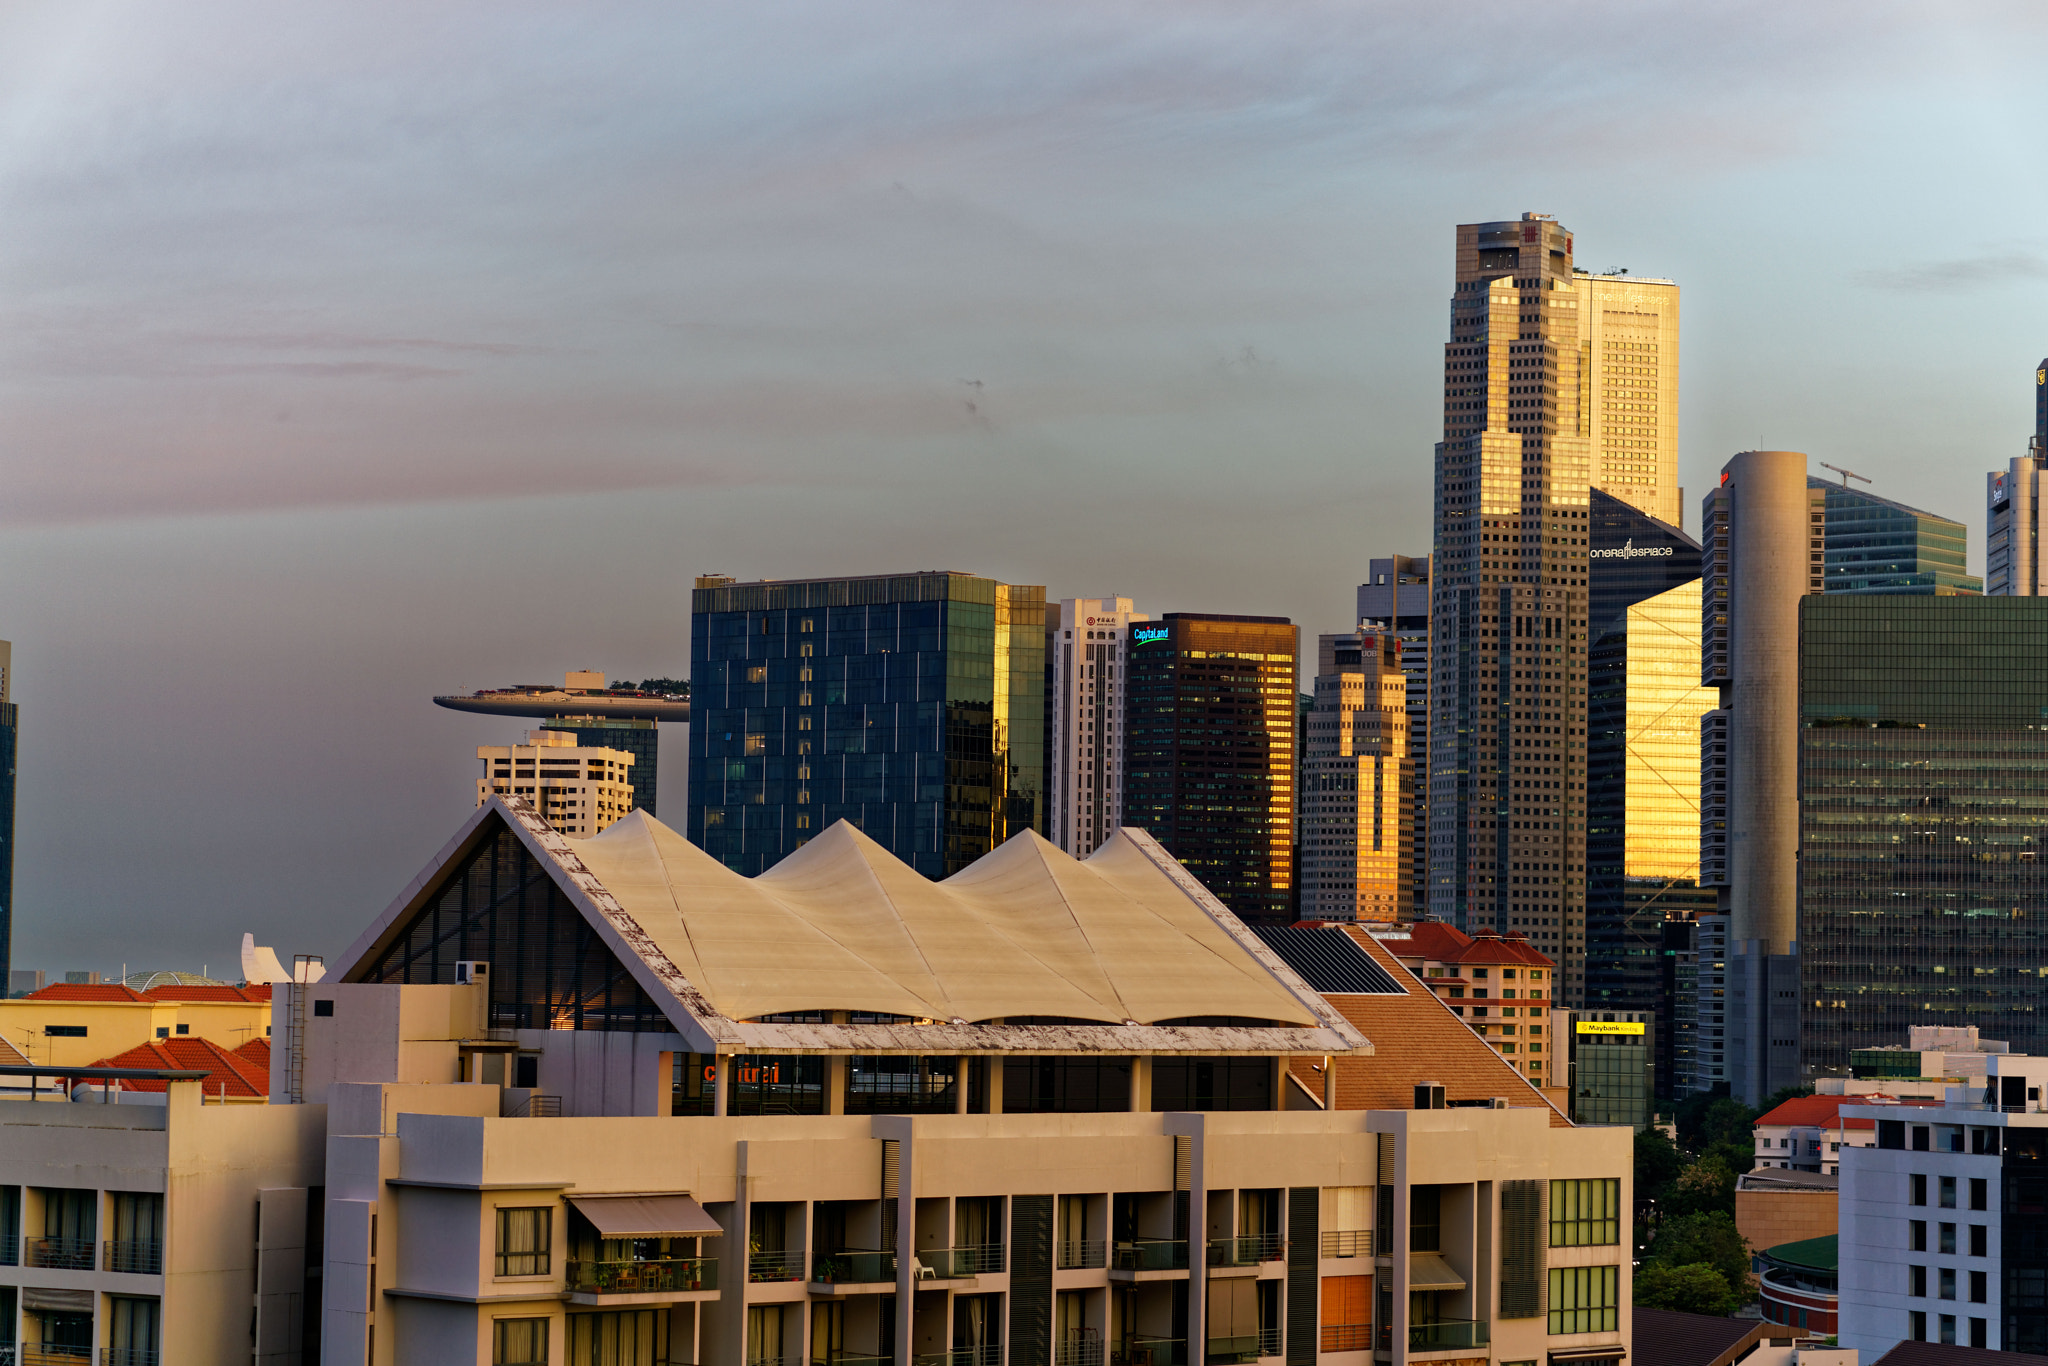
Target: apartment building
x=77, y=1024
x=581, y=788
x=1941, y=1219
x=1500, y=985
x=1086, y=653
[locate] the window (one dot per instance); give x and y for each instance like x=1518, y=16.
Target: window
x=1948, y=1329
x=1948, y=1192
x=1945, y=1285
x=1916, y=1282
x=323, y=1007
x=1978, y=1289
x=1977, y=1334
x=1918, y=1240
x=1948, y=1239
x=523, y=1236
x=63, y=1031
x=1917, y=1193
x=519, y=1342
x=1977, y=1241
x=1978, y=1193
x=1583, y=1299
x=1916, y=1325
x=1585, y=1213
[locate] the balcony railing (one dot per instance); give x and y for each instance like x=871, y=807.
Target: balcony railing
x=1244, y=1348
x=64, y=1254
x=1152, y=1254
x=855, y=1266
x=1090, y=1252
x=53, y=1354
x=988, y=1355
x=778, y=1265
x=140, y=1256
x=1248, y=1250
x=850, y=1359
x=1077, y=1352
x=1346, y=1337
x=948, y=1263
x=775, y=1361
x=1347, y=1242
x=128, y=1356
x=651, y=1277
x=1443, y=1335
x=542, y=1107
x=1151, y=1352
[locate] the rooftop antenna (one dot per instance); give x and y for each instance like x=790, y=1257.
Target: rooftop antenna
x=1847, y=475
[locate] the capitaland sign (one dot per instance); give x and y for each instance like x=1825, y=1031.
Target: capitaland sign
x=1608, y=1027
x=1145, y=635
x=1629, y=550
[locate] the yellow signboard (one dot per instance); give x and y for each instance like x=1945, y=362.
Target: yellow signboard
x=1608, y=1027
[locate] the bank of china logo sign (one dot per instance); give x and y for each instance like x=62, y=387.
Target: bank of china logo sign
x=1629, y=550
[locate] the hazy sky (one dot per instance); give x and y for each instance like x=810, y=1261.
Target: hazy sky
x=355, y=353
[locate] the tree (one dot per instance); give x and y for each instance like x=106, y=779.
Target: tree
x=1658, y=1164
x=1694, y=1288
x=1708, y=1237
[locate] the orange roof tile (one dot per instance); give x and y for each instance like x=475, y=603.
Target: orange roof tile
x=1415, y=1039
x=1434, y=940
x=239, y=1073
x=1820, y=1111
x=84, y=991
x=196, y=992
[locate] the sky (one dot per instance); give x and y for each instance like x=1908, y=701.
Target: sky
x=351, y=354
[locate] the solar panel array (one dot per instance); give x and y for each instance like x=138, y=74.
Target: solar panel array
x=1329, y=960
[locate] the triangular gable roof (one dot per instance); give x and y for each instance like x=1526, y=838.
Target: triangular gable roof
x=242, y=1075
x=1127, y=938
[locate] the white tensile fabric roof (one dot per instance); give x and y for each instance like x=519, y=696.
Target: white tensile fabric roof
x=1026, y=930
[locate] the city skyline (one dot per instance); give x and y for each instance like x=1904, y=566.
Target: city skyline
x=295, y=439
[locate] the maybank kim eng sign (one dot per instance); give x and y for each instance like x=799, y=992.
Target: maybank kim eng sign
x=1608, y=1027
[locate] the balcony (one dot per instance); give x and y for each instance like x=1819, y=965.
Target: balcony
x=1249, y=1250
x=1088, y=1254
x=855, y=1266
x=1347, y=1242
x=127, y=1356
x=61, y=1254
x=777, y=1265
x=954, y=1263
x=54, y=1354
x=850, y=1359
x=1445, y=1335
x=1152, y=1254
x=664, y=1275
x=1245, y=1348
x=1139, y=1351
x=10, y=1255
x=1346, y=1337
x=1081, y=1351
x=138, y=1256
x=987, y=1355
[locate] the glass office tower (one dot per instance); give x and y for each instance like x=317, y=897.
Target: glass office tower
x=1874, y=545
x=912, y=706
x=638, y=738
x=1209, y=752
x=1923, y=808
x=1644, y=704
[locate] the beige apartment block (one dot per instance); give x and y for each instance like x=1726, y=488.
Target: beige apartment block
x=75, y=1025
x=1628, y=370
x=165, y=1232
x=581, y=789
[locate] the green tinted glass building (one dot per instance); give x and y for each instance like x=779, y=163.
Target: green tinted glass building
x=1874, y=545
x=1923, y=811
x=912, y=706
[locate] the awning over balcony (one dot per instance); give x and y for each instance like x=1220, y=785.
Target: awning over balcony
x=646, y=1216
x=1427, y=1271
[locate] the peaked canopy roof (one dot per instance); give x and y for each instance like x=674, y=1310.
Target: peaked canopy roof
x=1127, y=938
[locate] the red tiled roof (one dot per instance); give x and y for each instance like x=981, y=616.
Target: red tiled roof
x=82, y=991
x=1441, y=943
x=257, y=1053
x=1415, y=1038
x=1820, y=1111
x=231, y=995
x=238, y=1071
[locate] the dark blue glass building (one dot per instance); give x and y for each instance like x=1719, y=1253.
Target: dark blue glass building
x=640, y=739
x=912, y=706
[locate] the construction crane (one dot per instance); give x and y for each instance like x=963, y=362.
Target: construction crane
x=1847, y=475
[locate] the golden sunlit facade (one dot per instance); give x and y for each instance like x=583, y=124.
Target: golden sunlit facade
x=1357, y=821
x=1628, y=378
x=1665, y=704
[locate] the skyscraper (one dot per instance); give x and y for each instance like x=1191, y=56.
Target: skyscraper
x=1629, y=371
x=1875, y=545
x=1085, y=680
x=641, y=739
x=1923, y=779
x=1395, y=599
x=1209, y=752
x=9, y=732
x=1765, y=537
x=1357, y=822
x=1527, y=368
x=1643, y=755
x=2012, y=548
x=910, y=705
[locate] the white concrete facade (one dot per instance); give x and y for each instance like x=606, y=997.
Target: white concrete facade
x=1085, y=665
x=581, y=789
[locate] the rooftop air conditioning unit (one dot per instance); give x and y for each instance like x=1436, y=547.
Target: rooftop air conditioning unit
x=469, y=972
